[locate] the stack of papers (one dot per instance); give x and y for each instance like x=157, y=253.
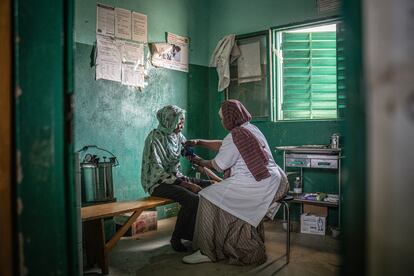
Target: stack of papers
x=332, y=198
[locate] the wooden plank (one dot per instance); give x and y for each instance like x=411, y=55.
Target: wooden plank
x=112, y=242
x=6, y=224
x=116, y=208
x=315, y=202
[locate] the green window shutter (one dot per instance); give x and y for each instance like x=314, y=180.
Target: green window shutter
x=340, y=57
x=309, y=75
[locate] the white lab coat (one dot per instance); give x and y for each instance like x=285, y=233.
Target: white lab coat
x=240, y=194
x=225, y=53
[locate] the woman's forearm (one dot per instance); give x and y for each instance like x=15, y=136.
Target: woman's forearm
x=211, y=174
x=210, y=144
x=202, y=163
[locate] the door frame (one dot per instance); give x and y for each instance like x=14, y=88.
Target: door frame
x=6, y=209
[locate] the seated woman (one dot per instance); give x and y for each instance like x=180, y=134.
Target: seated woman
x=161, y=176
x=230, y=213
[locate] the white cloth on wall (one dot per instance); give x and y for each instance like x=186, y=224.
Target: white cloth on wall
x=225, y=53
x=240, y=194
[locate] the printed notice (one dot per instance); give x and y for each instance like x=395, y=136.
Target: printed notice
x=108, y=59
x=105, y=20
x=122, y=23
x=133, y=75
x=132, y=53
x=139, y=27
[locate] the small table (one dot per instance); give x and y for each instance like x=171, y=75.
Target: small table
x=97, y=248
x=319, y=157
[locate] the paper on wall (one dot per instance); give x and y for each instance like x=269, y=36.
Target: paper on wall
x=132, y=53
x=133, y=75
x=108, y=59
x=248, y=64
x=105, y=20
x=171, y=55
x=181, y=42
x=139, y=27
x=122, y=23
x=177, y=40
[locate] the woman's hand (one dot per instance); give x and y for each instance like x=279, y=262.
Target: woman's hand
x=194, y=188
x=195, y=160
x=191, y=143
x=191, y=186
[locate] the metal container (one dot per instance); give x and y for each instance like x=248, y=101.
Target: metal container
x=96, y=177
x=89, y=180
x=105, y=179
x=334, y=141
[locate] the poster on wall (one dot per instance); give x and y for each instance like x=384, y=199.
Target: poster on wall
x=105, y=20
x=108, y=58
x=122, y=23
x=171, y=55
x=139, y=27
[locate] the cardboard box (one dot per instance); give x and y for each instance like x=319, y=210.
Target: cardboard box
x=312, y=224
x=147, y=221
x=168, y=210
x=315, y=210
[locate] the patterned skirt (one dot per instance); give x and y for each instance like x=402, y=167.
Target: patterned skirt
x=221, y=236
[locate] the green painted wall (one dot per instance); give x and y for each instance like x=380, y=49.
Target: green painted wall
x=245, y=16
x=118, y=118
x=238, y=17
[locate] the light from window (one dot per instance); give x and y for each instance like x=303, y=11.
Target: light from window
x=306, y=73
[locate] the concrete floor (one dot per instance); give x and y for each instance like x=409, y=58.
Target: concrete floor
x=151, y=254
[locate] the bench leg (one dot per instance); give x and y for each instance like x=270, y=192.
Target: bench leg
x=95, y=244
x=112, y=242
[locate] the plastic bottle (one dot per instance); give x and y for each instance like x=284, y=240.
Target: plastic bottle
x=297, y=187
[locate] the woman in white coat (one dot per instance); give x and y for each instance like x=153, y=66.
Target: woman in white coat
x=230, y=212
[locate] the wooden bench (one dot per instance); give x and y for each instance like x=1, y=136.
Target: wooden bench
x=97, y=248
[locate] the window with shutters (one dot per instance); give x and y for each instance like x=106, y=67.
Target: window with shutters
x=308, y=71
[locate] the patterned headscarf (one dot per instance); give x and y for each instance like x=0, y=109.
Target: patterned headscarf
x=168, y=117
x=234, y=114
x=162, y=151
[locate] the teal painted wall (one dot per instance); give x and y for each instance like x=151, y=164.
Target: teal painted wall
x=245, y=16
x=118, y=118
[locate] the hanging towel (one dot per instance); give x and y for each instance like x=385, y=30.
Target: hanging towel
x=225, y=53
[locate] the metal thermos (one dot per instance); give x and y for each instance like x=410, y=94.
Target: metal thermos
x=90, y=183
x=334, y=141
x=96, y=177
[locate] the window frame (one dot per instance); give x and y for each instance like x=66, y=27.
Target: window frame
x=268, y=36
x=275, y=86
